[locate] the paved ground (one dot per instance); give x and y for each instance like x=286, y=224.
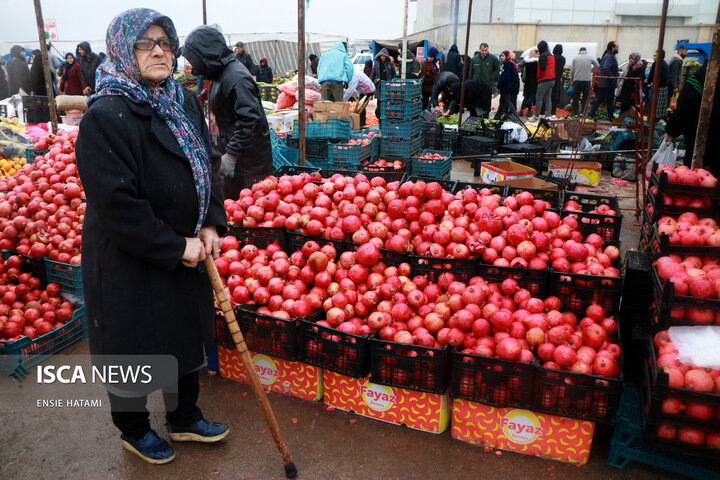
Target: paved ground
x=70, y=444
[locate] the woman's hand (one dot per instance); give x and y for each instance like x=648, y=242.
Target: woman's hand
x=210, y=240
x=194, y=252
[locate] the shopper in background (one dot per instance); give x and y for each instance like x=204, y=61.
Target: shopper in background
x=264, y=72
x=528, y=66
x=244, y=57
x=675, y=71
x=313, y=63
x=559, y=68
x=662, y=88
x=478, y=98
x=583, y=66
x=335, y=71
x=484, y=66
x=4, y=88
x=238, y=123
x=452, y=63
x=412, y=66
x=359, y=88
x=18, y=71
x=508, y=85
x=154, y=212
x=441, y=86
x=37, y=75
x=382, y=71
x=89, y=63
x=631, y=81
x=606, y=86
x=546, y=81
x=430, y=69
x=367, y=70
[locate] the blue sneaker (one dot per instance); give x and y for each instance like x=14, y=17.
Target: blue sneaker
x=150, y=448
x=200, y=431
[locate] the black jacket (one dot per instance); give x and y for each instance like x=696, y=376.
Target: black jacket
x=37, y=77
x=246, y=60
x=264, y=74
x=3, y=83
x=18, y=71
x=442, y=84
x=530, y=82
x=88, y=65
x=452, y=62
x=238, y=122
x=559, y=64
x=477, y=95
x=141, y=204
x=628, y=92
x=664, y=74
x=509, y=80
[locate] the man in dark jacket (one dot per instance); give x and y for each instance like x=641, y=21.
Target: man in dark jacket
x=478, y=98
x=452, y=63
x=684, y=121
x=239, y=127
x=383, y=70
x=559, y=67
x=508, y=85
x=37, y=75
x=89, y=63
x=442, y=85
x=606, y=86
x=484, y=66
x=313, y=63
x=18, y=71
x=675, y=70
x=244, y=57
x=264, y=72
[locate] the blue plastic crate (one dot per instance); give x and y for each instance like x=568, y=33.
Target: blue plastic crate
x=32, y=153
x=433, y=168
x=403, y=149
x=68, y=276
x=399, y=89
x=18, y=356
x=346, y=156
x=333, y=128
x=395, y=110
x=401, y=129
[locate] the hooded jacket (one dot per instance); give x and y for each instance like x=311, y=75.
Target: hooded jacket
x=335, y=65
x=608, y=68
x=88, y=64
x=546, y=63
x=442, y=84
x=238, y=124
x=583, y=67
x=71, y=79
x=452, y=63
x=264, y=73
x=509, y=80
x=18, y=71
x=382, y=70
x=559, y=60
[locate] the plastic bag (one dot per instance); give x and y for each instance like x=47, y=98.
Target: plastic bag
x=517, y=132
x=697, y=346
x=285, y=100
x=665, y=155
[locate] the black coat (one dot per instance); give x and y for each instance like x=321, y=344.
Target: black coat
x=37, y=77
x=237, y=116
x=3, y=83
x=246, y=60
x=141, y=204
x=442, y=84
x=477, y=95
x=88, y=65
x=264, y=74
x=18, y=71
x=628, y=92
x=664, y=74
x=452, y=63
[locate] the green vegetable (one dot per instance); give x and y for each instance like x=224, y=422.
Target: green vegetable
x=450, y=120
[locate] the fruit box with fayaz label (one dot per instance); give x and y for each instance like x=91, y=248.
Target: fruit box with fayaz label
x=523, y=431
x=296, y=379
x=502, y=170
x=428, y=412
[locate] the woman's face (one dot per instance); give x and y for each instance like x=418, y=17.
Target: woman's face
x=70, y=59
x=631, y=60
x=502, y=57
x=155, y=65
x=383, y=57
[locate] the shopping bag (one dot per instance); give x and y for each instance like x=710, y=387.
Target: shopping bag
x=665, y=155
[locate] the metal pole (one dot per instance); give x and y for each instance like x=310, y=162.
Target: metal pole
x=455, y=14
x=204, y=12
x=706, y=107
x=301, y=83
x=403, y=66
x=46, y=66
x=467, y=64
x=655, y=83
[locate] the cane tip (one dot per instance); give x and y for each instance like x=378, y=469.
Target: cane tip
x=291, y=470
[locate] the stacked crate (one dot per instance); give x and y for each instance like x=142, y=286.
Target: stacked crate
x=319, y=136
x=401, y=129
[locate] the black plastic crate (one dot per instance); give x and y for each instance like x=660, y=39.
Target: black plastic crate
x=532, y=155
x=607, y=226
x=388, y=257
x=462, y=268
x=498, y=134
x=492, y=381
x=448, y=140
x=477, y=145
x=478, y=186
x=296, y=239
x=577, y=292
x=577, y=395
x=334, y=350
x=660, y=209
x=33, y=266
x=550, y=196
x=294, y=170
x=261, y=237
x=472, y=126
x=636, y=294
x=661, y=181
x=388, y=176
x=317, y=148
x=535, y=281
x=666, y=300
x=3, y=111
x=447, y=185
x=660, y=246
x=410, y=366
x=36, y=109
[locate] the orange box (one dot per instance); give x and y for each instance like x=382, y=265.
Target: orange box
x=429, y=412
x=523, y=431
x=499, y=171
x=296, y=379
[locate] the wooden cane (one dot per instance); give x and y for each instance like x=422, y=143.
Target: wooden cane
x=290, y=469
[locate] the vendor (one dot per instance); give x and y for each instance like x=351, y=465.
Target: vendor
x=154, y=212
x=442, y=85
x=478, y=98
x=360, y=87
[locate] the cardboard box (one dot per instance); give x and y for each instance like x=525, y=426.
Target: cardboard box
x=583, y=173
x=530, y=183
x=428, y=412
x=341, y=108
x=523, y=431
x=353, y=118
x=492, y=172
x=296, y=379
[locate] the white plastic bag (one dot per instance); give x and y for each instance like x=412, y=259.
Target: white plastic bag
x=665, y=155
x=697, y=346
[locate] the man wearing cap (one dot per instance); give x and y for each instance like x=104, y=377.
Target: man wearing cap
x=244, y=57
x=583, y=66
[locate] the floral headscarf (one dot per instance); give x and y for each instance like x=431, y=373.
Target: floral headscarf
x=119, y=75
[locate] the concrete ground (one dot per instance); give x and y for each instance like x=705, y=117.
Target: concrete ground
x=83, y=443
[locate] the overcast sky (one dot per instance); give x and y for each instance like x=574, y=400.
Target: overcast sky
x=87, y=20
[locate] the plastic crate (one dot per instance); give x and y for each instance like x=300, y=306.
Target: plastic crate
x=36, y=109
x=636, y=294
x=447, y=185
x=294, y=170
x=472, y=126
x=664, y=186
x=31, y=154
x=478, y=187
x=33, y=266
x=660, y=209
x=533, y=155
x=317, y=148
x=431, y=134
x=577, y=292
x=430, y=167
x=660, y=246
x=296, y=239
x=463, y=269
x=400, y=89
x=550, y=196
x=400, y=129
x=388, y=176
x=577, y=395
x=400, y=110
x=535, y=281
x=397, y=148
x=498, y=134
x=492, y=381
x=666, y=300
x=410, y=366
x=18, y=356
x=477, y=145
x=269, y=93
x=332, y=129
x=449, y=141
x=334, y=350
x=375, y=141
x=68, y=276
x=368, y=166
x=261, y=237
x=344, y=155
x=607, y=226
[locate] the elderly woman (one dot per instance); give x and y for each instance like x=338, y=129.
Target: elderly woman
x=628, y=89
x=154, y=211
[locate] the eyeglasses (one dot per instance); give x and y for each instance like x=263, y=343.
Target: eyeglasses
x=149, y=44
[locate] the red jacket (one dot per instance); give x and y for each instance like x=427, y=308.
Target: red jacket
x=549, y=72
x=74, y=84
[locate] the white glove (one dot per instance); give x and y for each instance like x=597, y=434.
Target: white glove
x=227, y=164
